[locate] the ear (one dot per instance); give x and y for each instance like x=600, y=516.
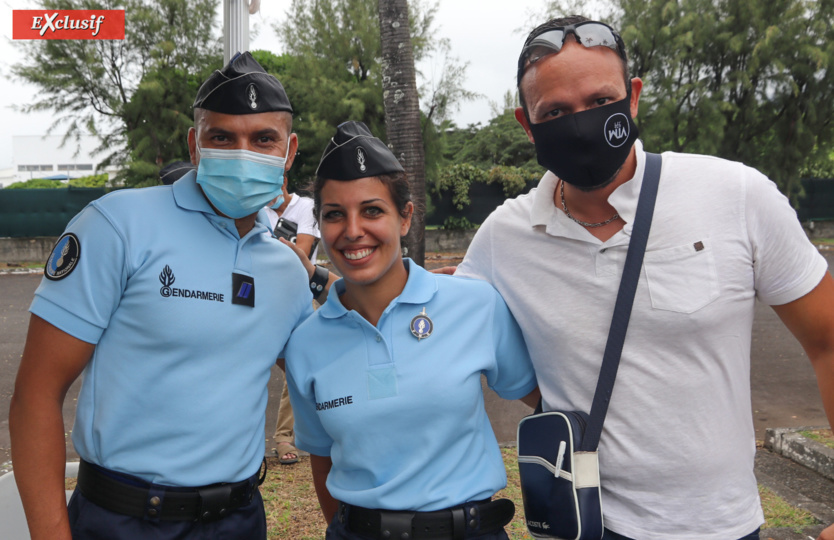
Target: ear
x=405, y=226
x=192, y=146
x=522, y=119
x=293, y=150
x=636, y=88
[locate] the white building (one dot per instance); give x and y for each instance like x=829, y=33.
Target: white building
x=43, y=156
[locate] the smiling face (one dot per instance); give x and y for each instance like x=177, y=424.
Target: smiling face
x=361, y=228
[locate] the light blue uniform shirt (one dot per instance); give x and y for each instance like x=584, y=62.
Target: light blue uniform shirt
x=176, y=390
x=403, y=418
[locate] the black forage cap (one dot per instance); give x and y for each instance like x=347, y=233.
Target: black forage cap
x=174, y=171
x=242, y=87
x=354, y=152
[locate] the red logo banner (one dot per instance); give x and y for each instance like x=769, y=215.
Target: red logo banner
x=68, y=24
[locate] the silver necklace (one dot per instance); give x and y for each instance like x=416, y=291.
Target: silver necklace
x=583, y=223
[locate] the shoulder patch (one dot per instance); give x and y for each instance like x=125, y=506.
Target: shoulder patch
x=64, y=257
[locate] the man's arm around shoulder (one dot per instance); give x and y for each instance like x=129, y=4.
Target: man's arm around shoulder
x=52, y=360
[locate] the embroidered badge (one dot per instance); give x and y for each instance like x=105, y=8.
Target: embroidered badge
x=252, y=95
x=421, y=325
x=64, y=258
x=360, y=159
x=166, y=277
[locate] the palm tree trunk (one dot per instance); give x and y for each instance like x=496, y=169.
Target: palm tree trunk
x=402, y=112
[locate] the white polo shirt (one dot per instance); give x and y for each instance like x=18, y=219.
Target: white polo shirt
x=677, y=448
x=300, y=211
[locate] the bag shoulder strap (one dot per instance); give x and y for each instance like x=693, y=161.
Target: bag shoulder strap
x=625, y=299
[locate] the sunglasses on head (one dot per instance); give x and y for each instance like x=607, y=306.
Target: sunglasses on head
x=551, y=40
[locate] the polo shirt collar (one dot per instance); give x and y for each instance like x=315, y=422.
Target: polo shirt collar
x=189, y=196
x=624, y=199
x=420, y=288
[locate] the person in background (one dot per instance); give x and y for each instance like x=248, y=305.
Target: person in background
x=165, y=298
x=298, y=211
x=677, y=448
x=385, y=378
x=174, y=171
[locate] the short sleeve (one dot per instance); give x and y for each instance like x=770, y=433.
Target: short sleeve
x=477, y=263
x=306, y=220
x=786, y=264
x=81, y=301
x=513, y=376
x=310, y=435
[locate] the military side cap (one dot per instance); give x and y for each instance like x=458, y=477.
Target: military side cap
x=174, y=171
x=354, y=152
x=242, y=87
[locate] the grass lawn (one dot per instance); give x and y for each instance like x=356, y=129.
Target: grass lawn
x=21, y=266
x=293, y=513
x=824, y=436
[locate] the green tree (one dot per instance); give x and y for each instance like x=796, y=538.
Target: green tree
x=332, y=73
x=501, y=142
x=89, y=84
x=92, y=181
x=160, y=114
x=37, y=183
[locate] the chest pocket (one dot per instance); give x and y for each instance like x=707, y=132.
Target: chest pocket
x=682, y=279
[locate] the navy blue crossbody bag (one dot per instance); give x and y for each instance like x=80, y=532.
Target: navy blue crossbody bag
x=557, y=450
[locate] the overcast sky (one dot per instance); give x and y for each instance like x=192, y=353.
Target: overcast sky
x=486, y=33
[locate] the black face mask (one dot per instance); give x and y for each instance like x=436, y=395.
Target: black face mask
x=587, y=148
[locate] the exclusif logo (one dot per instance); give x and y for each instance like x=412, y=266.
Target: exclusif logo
x=68, y=24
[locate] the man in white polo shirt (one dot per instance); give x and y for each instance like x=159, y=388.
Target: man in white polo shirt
x=677, y=448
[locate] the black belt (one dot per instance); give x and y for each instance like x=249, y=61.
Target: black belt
x=455, y=523
x=208, y=503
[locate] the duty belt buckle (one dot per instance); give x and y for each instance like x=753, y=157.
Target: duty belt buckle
x=214, y=502
x=395, y=525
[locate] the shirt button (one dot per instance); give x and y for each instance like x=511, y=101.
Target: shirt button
x=154, y=501
x=603, y=250
x=378, y=338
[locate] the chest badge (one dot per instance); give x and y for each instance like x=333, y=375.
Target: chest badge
x=421, y=325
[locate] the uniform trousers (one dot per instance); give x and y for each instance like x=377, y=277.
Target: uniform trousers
x=88, y=521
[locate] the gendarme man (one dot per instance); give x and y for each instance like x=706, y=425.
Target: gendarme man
x=165, y=299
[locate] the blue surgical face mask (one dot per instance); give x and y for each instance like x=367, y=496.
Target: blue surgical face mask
x=278, y=202
x=239, y=182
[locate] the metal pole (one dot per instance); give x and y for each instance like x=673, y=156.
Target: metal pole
x=235, y=28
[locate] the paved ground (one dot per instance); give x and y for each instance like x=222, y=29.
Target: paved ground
x=784, y=394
